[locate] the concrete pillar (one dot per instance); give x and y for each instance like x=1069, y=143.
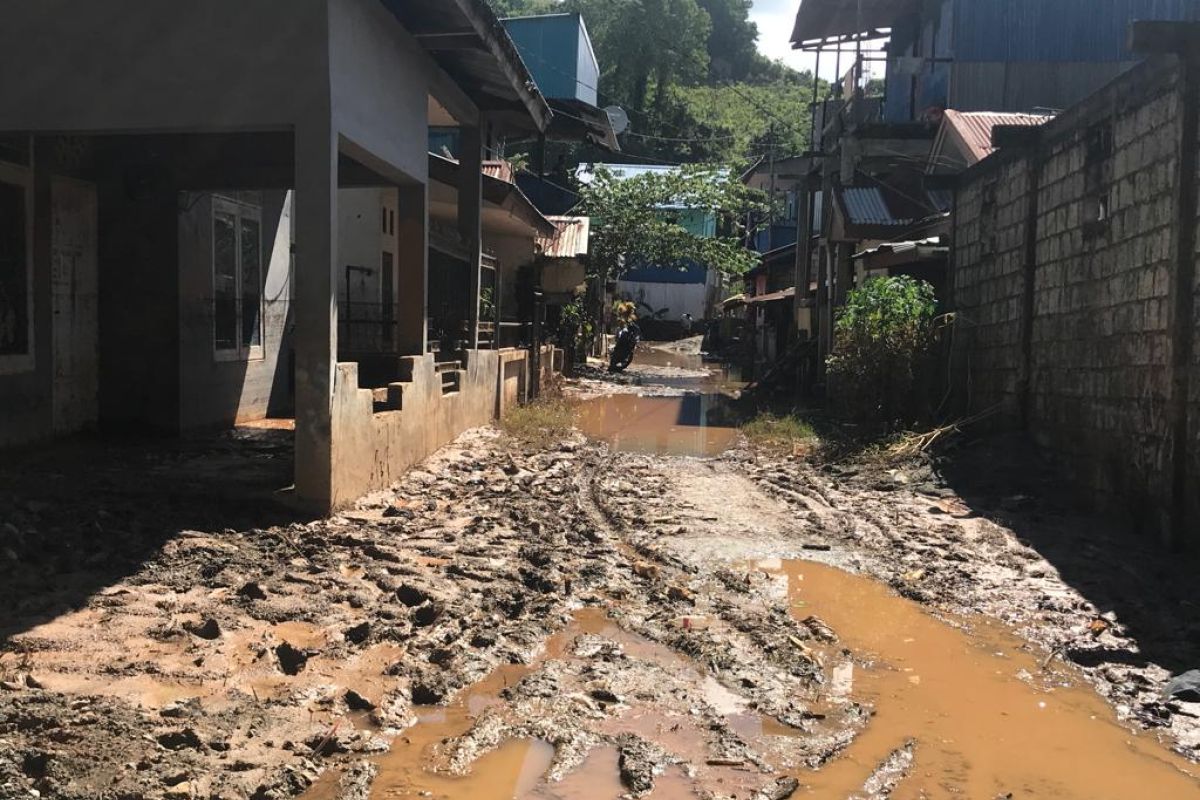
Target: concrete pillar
x=412, y=272
x=470, y=216
x=315, y=310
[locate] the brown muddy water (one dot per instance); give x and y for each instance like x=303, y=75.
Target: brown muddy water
x=986, y=719
x=691, y=425
x=697, y=423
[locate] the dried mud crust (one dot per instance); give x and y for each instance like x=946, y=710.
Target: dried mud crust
x=992, y=534
x=235, y=663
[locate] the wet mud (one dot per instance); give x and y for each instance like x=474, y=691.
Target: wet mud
x=601, y=619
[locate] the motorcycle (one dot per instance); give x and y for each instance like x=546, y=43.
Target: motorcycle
x=627, y=342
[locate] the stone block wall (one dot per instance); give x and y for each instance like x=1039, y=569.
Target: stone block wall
x=1065, y=322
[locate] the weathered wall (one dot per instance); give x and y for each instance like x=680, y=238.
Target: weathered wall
x=214, y=392
x=1068, y=332
x=373, y=448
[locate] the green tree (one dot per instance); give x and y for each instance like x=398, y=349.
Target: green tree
x=882, y=335
x=638, y=220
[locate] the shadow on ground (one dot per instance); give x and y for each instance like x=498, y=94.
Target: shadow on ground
x=1151, y=589
x=78, y=516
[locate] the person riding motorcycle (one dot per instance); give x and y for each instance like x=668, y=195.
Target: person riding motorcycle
x=628, y=337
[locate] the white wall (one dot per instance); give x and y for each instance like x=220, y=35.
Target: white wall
x=677, y=298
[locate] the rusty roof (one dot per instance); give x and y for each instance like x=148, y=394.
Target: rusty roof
x=971, y=132
x=570, y=240
x=500, y=170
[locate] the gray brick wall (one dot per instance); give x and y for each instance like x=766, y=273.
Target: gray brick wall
x=1099, y=376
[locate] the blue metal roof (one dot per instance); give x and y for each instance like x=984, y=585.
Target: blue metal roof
x=1056, y=30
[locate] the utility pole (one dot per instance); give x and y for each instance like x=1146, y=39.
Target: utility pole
x=771, y=192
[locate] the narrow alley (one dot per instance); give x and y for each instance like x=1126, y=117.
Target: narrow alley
x=667, y=616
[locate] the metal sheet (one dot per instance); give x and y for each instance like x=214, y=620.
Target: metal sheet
x=1056, y=30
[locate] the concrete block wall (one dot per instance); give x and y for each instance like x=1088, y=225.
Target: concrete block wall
x=373, y=446
x=989, y=264
x=1076, y=346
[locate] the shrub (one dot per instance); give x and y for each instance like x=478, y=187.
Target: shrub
x=880, y=337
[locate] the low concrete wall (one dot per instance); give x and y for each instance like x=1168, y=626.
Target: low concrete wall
x=377, y=439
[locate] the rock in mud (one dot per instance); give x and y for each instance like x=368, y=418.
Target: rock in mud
x=186, y=739
x=252, y=591
x=205, y=629
x=425, y=615
x=638, y=764
x=291, y=659
x=782, y=789
x=1185, y=687
x=359, y=633
x=356, y=702
x=356, y=782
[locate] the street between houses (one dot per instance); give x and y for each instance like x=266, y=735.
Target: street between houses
x=661, y=610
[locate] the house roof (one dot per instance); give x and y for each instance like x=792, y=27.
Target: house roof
x=876, y=205
x=931, y=245
x=498, y=189
x=970, y=133
x=466, y=40
x=577, y=121
x=819, y=19
x=773, y=297
x=570, y=239
x=879, y=210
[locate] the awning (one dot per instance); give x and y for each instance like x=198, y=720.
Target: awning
x=774, y=297
x=734, y=302
x=570, y=239
x=577, y=121
x=820, y=19
x=497, y=190
x=466, y=40
x=899, y=254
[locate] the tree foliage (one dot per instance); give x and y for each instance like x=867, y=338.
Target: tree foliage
x=691, y=77
x=882, y=335
x=637, y=221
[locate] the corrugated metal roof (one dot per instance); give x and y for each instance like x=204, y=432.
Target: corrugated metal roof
x=1063, y=30
x=570, y=240
x=933, y=243
x=973, y=130
x=818, y=19
x=500, y=170
x=866, y=205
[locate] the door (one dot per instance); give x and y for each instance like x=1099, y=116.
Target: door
x=74, y=285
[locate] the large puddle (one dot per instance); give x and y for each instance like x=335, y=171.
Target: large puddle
x=691, y=425
x=697, y=423
x=986, y=720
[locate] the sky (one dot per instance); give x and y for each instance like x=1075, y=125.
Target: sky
x=775, y=19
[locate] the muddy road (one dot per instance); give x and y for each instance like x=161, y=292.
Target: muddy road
x=651, y=610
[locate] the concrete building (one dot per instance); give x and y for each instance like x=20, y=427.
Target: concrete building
x=172, y=192
x=1075, y=285
x=871, y=147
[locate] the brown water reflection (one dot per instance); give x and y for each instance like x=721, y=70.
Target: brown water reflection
x=987, y=723
x=692, y=425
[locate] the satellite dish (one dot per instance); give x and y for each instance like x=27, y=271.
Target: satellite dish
x=618, y=119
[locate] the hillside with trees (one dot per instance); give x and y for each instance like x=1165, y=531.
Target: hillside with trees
x=690, y=76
